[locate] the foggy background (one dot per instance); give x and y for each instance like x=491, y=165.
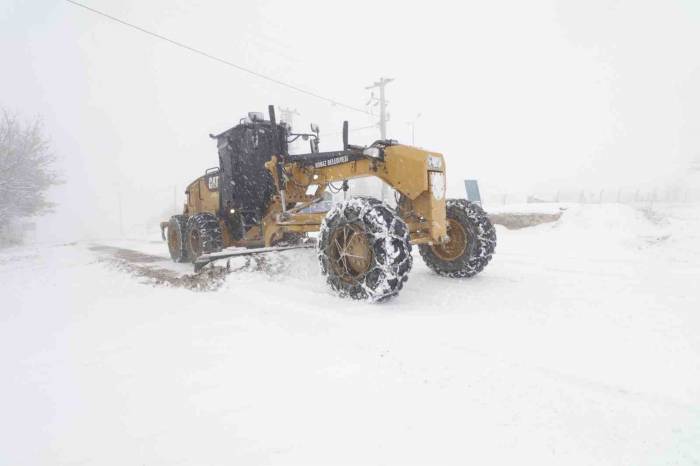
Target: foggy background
x=526, y=97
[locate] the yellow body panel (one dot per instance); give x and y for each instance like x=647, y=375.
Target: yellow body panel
x=200, y=198
x=404, y=168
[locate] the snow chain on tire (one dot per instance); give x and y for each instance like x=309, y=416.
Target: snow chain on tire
x=177, y=228
x=479, y=247
x=364, y=224
x=203, y=235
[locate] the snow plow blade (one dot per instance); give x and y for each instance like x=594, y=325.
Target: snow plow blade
x=209, y=258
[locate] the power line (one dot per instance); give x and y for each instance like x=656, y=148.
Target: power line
x=218, y=59
x=350, y=130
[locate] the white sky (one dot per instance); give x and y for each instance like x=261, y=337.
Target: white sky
x=542, y=94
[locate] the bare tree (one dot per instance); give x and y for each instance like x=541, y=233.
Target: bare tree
x=26, y=173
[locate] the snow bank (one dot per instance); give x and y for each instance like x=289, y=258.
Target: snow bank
x=527, y=208
x=615, y=219
x=605, y=226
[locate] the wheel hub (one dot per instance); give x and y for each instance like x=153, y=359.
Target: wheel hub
x=350, y=253
x=456, y=244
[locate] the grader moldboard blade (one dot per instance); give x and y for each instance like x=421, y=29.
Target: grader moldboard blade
x=205, y=259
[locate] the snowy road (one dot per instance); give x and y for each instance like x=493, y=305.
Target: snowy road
x=579, y=344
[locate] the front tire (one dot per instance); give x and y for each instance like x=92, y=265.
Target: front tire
x=203, y=235
x=471, y=245
x=364, y=250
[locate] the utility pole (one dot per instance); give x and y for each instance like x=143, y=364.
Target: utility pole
x=383, y=116
x=287, y=115
x=412, y=124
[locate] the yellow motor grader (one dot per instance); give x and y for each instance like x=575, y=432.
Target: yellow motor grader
x=261, y=198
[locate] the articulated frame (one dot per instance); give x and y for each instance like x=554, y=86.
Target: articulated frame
x=416, y=174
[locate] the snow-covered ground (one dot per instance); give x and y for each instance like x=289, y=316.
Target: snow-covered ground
x=579, y=344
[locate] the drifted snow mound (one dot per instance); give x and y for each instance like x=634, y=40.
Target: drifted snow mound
x=297, y=264
x=614, y=222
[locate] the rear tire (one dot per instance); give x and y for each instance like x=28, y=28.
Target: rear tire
x=177, y=227
x=364, y=250
x=471, y=246
x=203, y=235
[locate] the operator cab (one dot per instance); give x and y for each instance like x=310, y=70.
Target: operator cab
x=246, y=188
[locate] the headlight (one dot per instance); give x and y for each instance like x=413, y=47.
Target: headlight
x=434, y=163
x=437, y=184
x=374, y=152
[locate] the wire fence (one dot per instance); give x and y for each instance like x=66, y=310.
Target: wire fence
x=602, y=196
